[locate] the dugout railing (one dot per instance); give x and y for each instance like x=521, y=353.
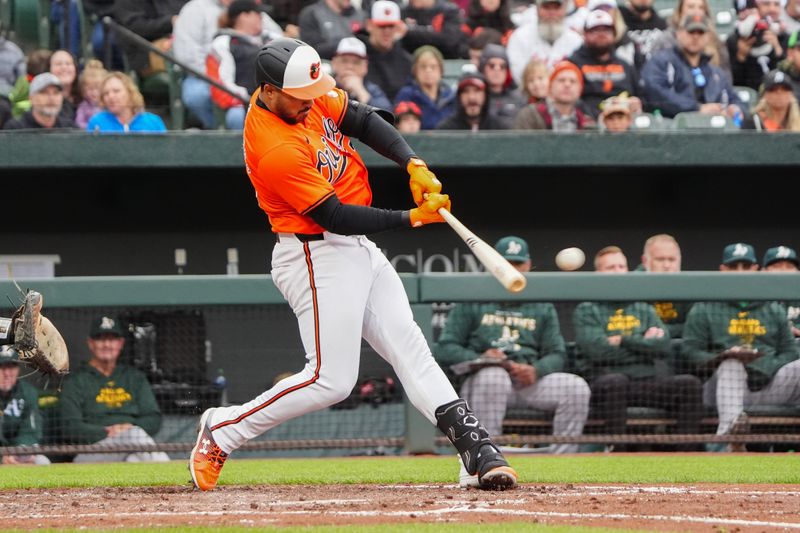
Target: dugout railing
x=248, y=330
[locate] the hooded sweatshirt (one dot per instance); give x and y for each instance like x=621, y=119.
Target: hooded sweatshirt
x=459, y=120
x=12, y=65
x=503, y=105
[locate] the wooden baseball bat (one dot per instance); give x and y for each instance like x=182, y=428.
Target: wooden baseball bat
x=508, y=276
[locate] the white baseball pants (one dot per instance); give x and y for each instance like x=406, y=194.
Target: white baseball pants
x=341, y=289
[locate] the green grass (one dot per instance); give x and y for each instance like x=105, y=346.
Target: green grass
x=507, y=527
x=768, y=468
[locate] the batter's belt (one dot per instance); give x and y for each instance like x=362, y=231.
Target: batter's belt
x=302, y=237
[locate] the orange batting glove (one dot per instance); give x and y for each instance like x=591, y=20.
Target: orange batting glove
x=428, y=212
x=422, y=180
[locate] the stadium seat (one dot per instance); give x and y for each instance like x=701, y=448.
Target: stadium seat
x=747, y=95
x=650, y=122
x=453, y=69
x=30, y=23
x=700, y=121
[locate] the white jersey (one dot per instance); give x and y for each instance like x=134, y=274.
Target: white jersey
x=526, y=44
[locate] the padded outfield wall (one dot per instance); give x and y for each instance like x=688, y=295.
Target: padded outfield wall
x=120, y=205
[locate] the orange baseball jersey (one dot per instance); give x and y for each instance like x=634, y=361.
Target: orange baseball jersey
x=295, y=167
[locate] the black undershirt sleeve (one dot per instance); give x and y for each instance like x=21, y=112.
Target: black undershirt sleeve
x=347, y=219
x=368, y=125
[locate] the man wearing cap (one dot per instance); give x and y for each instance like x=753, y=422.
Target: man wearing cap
x=436, y=23
x=108, y=403
x=744, y=350
x=47, y=99
x=314, y=187
x=682, y=78
x=231, y=58
x=472, y=107
x=326, y=22
x=505, y=100
x=645, y=26
x=518, y=358
x=604, y=74
x=20, y=419
x=350, y=68
x=560, y=112
x=783, y=259
x=624, y=352
x=389, y=62
x=791, y=65
x=547, y=38
x=758, y=44
x=777, y=108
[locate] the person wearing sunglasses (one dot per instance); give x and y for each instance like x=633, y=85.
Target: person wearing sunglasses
x=505, y=100
x=682, y=78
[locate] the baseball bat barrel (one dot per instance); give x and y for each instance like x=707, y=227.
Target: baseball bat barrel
x=508, y=276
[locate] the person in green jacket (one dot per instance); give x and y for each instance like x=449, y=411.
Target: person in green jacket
x=107, y=403
x=520, y=358
x=662, y=254
x=20, y=420
x=784, y=259
x=624, y=352
x=744, y=350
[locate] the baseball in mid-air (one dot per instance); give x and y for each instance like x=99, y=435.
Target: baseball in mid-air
x=570, y=259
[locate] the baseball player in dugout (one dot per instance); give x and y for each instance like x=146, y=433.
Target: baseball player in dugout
x=314, y=188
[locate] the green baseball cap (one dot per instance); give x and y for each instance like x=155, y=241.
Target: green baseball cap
x=513, y=248
x=739, y=252
x=8, y=355
x=794, y=39
x=781, y=253
x=106, y=325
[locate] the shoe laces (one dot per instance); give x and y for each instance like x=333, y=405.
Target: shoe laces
x=216, y=457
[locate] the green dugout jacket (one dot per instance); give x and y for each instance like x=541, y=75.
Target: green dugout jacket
x=21, y=421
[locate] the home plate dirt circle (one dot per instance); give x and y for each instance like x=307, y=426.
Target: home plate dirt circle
x=697, y=507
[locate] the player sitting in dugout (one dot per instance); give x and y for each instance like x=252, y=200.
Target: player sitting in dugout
x=108, y=403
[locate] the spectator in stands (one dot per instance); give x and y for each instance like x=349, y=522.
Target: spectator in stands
x=616, y=115
x=790, y=16
x=716, y=48
x=19, y=411
x=287, y=13
x=108, y=403
x=62, y=64
x=662, y=254
x=524, y=358
x=536, y=81
x=791, y=65
x=644, y=24
x=408, y=117
x=783, y=259
x=434, y=97
x=5, y=111
x=123, y=106
x=153, y=20
x=193, y=32
x=604, y=74
x=624, y=352
x=560, y=111
x=489, y=14
x=744, y=350
x=389, y=63
x=758, y=44
x=683, y=79
x=547, y=39
x=479, y=40
x=350, y=67
x=231, y=59
x=625, y=48
x=12, y=63
x=47, y=98
x=435, y=23
x=472, y=107
x=505, y=100
x=38, y=61
x=326, y=22
x=90, y=82
x=777, y=109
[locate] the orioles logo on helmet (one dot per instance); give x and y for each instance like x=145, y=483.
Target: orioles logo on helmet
x=314, y=70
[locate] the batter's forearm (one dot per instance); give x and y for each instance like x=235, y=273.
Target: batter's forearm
x=346, y=219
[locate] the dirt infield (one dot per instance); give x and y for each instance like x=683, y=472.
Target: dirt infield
x=700, y=507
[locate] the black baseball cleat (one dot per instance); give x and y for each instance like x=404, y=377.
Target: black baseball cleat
x=494, y=473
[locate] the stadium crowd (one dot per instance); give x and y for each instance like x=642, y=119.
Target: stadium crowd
x=561, y=65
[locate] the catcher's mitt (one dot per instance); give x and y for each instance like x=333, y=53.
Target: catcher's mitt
x=36, y=338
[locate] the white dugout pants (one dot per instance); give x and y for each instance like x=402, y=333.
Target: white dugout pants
x=727, y=389
x=490, y=392
x=341, y=289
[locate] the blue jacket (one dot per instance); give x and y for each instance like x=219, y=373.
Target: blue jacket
x=107, y=122
x=432, y=112
x=668, y=85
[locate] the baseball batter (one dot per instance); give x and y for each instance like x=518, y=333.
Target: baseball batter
x=314, y=188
